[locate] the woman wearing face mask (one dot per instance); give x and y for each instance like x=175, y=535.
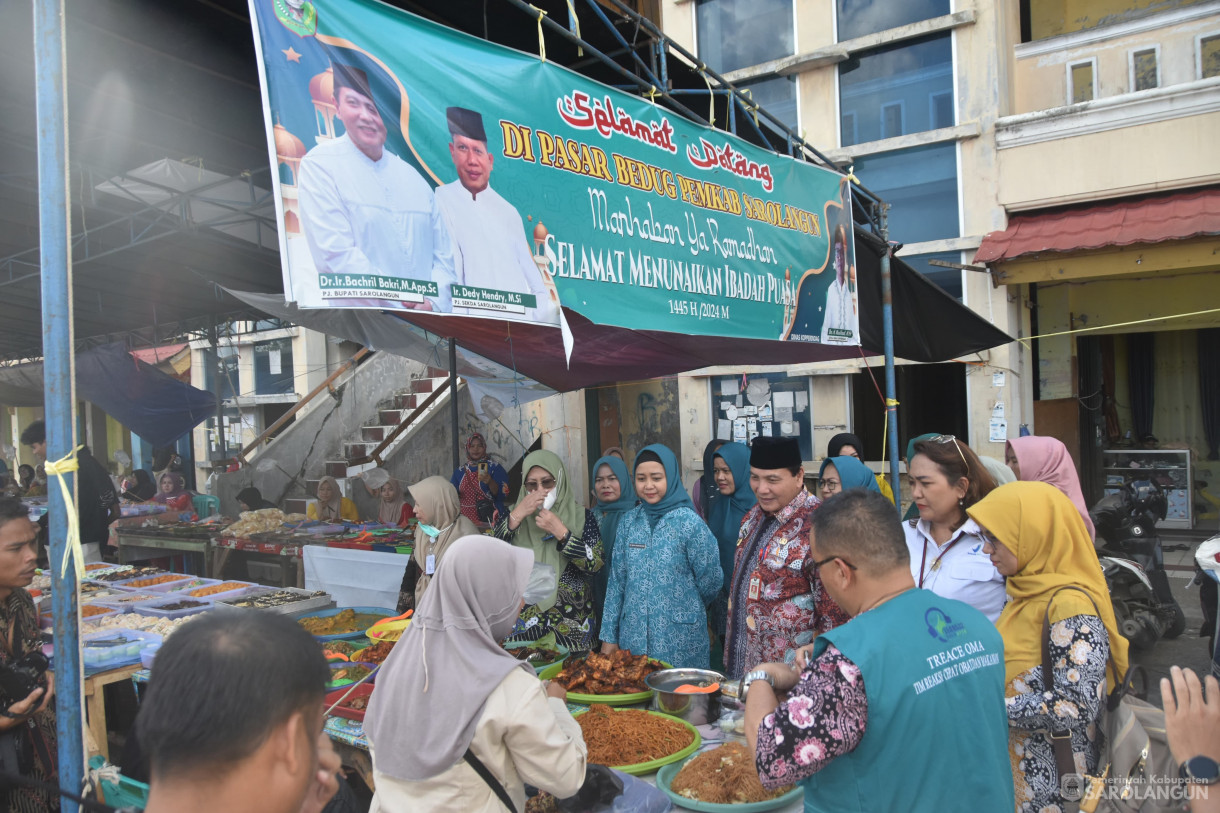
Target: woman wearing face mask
x=666, y=570
x=615, y=497
x=946, y=546
x=564, y=534
x=441, y=522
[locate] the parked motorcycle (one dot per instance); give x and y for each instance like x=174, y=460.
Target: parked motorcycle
x=1130, y=550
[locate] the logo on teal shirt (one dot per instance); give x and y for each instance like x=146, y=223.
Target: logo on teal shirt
x=941, y=626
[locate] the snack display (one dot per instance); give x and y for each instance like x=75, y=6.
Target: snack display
x=215, y=589
x=118, y=575
x=256, y=522
x=131, y=621
x=632, y=737
x=87, y=610
x=182, y=605
x=127, y=599
x=153, y=581
x=278, y=598
x=618, y=673
x=191, y=585
x=725, y=775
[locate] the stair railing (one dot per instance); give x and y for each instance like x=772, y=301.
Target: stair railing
x=375, y=456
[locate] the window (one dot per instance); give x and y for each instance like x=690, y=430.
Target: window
x=910, y=74
x=777, y=96
x=940, y=109
x=229, y=376
x=1081, y=81
x=948, y=279
x=1144, y=69
x=859, y=17
x=848, y=129
x=735, y=34
x=920, y=184
x=1209, y=56
x=891, y=120
x=273, y=374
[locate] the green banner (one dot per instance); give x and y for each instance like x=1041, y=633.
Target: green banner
x=423, y=168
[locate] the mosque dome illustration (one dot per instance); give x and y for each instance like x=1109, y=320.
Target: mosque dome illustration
x=322, y=92
x=289, y=150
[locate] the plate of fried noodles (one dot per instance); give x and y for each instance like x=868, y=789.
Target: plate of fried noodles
x=722, y=780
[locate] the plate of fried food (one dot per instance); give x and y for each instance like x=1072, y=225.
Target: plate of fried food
x=722, y=780
x=615, y=680
x=635, y=741
x=541, y=653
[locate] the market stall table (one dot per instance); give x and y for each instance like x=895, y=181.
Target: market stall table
x=286, y=546
x=192, y=543
x=95, y=701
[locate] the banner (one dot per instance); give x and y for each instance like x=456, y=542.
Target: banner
x=421, y=168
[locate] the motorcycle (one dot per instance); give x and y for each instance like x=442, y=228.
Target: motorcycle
x=1130, y=550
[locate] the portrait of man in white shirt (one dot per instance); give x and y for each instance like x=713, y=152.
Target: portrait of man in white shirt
x=840, y=313
x=490, y=249
x=369, y=216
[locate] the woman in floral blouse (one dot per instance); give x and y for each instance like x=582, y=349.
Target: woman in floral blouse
x=1036, y=538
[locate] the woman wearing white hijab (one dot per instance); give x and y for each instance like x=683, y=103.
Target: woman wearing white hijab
x=448, y=687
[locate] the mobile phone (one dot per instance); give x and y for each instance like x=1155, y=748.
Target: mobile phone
x=483, y=468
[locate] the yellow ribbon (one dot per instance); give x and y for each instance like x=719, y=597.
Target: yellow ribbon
x=72, y=549
x=752, y=106
x=652, y=94
x=711, y=97
x=890, y=403
x=851, y=176
x=541, y=40
x=580, y=51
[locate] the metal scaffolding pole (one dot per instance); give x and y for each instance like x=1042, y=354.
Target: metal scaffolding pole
x=59, y=382
x=887, y=320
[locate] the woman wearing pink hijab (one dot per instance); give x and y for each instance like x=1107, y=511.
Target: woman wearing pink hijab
x=1046, y=460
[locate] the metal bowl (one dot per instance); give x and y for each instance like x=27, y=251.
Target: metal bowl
x=695, y=708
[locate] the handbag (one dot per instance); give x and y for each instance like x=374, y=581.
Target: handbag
x=1136, y=768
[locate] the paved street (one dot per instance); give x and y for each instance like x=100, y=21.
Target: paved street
x=1188, y=650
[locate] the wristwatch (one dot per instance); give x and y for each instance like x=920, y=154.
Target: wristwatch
x=750, y=677
x=1200, y=770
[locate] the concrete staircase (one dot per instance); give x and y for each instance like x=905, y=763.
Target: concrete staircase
x=405, y=405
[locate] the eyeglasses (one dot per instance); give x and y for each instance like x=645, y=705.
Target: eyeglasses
x=548, y=484
x=952, y=439
x=813, y=566
x=833, y=485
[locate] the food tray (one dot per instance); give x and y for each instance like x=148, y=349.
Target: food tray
x=246, y=589
x=129, y=601
x=122, y=572
x=338, y=665
x=363, y=690
x=123, y=585
x=641, y=768
x=381, y=611
x=193, y=584
x=98, y=658
x=155, y=608
x=308, y=603
x=605, y=699
x=541, y=667
x=665, y=778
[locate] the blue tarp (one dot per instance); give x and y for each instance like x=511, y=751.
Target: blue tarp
x=157, y=407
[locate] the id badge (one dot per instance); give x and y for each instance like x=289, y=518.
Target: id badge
x=755, y=585
x=430, y=564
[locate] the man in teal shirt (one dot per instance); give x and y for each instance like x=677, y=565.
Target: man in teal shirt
x=901, y=708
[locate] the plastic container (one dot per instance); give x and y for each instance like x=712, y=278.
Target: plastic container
x=129, y=601
x=123, y=793
x=148, y=654
x=346, y=684
x=244, y=589
x=96, y=655
x=125, y=584
x=158, y=611
x=192, y=584
x=380, y=612
x=306, y=602
x=363, y=690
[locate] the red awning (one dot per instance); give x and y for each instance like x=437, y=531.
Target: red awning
x=156, y=355
x=1148, y=219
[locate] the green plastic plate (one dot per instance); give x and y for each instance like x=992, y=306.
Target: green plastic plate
x=539, y=668
x=641, y=768
x=604, y=699
x=665, y=778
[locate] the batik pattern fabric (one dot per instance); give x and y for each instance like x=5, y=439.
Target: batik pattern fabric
x=824, y=717
x=35, y=739
x=790, y=607
x=1080, y=649
x=571, y=617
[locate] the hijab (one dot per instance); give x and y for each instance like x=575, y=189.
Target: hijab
x=1042, y=528
x=844, y=439
x=144, y=489
x=998, y=471
x=432, y=690
x=331, y=511
x=675, y=495
x=252, y=497
x=709, y=495
x=852, y=473
x=470, y=440
x=1047, y=460
x=912, y=511
x=570, y=513
x=389, y=512
x=612, y=512
x=179, y=487
x=725, y=515
x=439, y=500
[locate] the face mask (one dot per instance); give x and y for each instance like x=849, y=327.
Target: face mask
x=551, y=496
x=430, y=530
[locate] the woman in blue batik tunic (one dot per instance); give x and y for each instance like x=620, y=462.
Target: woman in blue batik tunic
x=664, y=571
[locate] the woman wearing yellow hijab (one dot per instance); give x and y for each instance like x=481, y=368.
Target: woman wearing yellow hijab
x=1036, y=538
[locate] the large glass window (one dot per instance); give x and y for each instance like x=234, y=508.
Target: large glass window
x=229, y=384
x=777, y=96
x=902, y=88
x=860, y=17
x=948, y=279
x=273, y=367
x=737, y=34
x=920, y=184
